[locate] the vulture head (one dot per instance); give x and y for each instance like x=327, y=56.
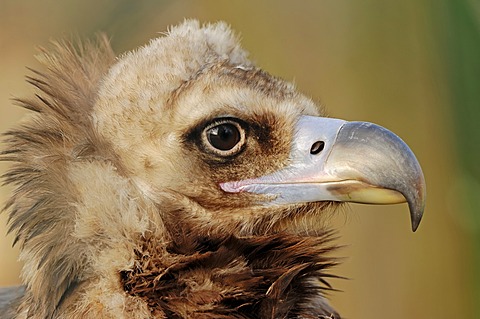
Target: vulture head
x=181, y=181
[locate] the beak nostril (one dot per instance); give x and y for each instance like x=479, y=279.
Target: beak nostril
x=317, y=147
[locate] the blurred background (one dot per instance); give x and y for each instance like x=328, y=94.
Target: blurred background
x=412, y=66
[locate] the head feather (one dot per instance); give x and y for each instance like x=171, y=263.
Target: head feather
x=41, y=213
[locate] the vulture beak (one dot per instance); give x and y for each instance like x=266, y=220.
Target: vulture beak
x=336, y=160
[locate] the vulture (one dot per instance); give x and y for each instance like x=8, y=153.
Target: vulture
x=179, y=180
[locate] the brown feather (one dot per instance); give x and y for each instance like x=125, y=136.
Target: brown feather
x=40, y=208
x=198, y=276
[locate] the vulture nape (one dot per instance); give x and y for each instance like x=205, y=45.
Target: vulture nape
x=181, y=181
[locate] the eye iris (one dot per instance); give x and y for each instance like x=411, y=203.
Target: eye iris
x=224, y=136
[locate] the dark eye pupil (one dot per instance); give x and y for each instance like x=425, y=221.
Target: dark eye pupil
x=224, y=136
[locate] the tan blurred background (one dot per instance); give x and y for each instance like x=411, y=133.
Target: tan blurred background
x=395, y=63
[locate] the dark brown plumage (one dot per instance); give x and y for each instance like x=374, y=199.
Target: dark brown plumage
x=180, y=181
x=275, y=276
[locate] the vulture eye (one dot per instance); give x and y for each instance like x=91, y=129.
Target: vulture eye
x=224, y=137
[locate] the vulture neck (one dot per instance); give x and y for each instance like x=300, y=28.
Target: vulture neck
x=225, y=276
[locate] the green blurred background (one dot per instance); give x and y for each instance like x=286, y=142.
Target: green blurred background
x=412, y=66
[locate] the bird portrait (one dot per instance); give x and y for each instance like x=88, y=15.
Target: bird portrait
x=179, y=180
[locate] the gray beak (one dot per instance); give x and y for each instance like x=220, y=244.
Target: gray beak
x=335, y=160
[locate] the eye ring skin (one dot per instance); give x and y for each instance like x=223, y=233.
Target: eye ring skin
x=224, y=152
